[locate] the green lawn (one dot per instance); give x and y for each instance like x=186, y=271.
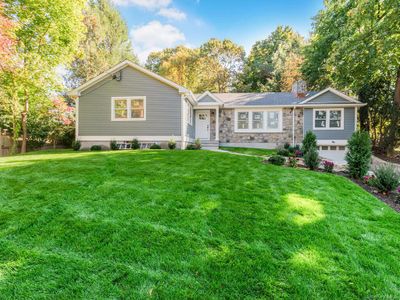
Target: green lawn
x=189, y=224
x=251, y=151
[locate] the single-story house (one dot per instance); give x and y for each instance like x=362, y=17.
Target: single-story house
x=130, y=102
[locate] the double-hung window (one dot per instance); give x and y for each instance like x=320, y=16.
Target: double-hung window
x=258, y=120
x=328, y=118
x=128, y=108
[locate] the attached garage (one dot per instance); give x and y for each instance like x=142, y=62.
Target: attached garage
x=335, y=153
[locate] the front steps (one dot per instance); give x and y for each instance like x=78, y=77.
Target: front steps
x=209, y=145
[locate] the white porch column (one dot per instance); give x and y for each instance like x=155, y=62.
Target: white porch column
x=217, y=124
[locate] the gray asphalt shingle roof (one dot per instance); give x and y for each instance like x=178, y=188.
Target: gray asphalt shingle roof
x=249, y=99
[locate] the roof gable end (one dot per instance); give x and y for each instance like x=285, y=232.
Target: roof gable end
x=330, y=96
x=77, y=91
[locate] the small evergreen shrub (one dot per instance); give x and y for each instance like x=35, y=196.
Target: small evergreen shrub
x=358, y=155
x=311, y=158
x=309, y=141
x=328, y=166
x=172, y=144
x=283, y=152
x=113, y=145
x=286, y=146
x=386, y=178
x=76, y=145
x=95, y=148
x=191, y=147
x=277, y=160
x=135, y=144
x=155, y=146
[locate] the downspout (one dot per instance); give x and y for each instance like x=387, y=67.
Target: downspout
x=293, y=112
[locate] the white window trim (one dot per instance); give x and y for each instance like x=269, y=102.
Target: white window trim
x=328, y=110
x=265, y=116
x=129, y=118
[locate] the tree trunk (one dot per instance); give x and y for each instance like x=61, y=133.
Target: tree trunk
x=391, y=137
x=397, y=88
x=24, y=118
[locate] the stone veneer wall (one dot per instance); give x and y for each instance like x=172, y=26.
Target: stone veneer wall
x=228, y=134
x=212, y=124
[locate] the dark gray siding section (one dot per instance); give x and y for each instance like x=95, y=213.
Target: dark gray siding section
x=344, y=134
x=329, y=98
x=207, y=99
x=163, y=107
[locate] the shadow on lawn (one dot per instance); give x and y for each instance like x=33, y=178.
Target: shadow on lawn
x=197, y=225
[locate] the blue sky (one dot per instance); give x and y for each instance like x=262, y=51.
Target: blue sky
x=157, y=24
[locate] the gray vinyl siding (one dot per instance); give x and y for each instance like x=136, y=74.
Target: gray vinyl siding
x=340, y=134
x=163, y=107
x=190, y=128
x=329, y=98
x=207, y=99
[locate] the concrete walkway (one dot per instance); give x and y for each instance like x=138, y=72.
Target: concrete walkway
x=237, y=153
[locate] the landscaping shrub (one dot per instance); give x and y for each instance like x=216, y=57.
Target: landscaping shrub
x=311, y=158
x=155, y=146
x=197, y=144
x=95, y=148
x=76, y=145
x=286, y=146
x=293, y=161
x=309, y=141
x=328, y=166
x=277, y=160
x=172, y=144
x=191, y=147
x=135, y=144
x=113, y=145
x=283, y=152
x=298, y=153
x=386, y=178
x=291, y=150
x=358, y=155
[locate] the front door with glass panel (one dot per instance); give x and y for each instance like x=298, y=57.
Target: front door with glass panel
x=203, y=124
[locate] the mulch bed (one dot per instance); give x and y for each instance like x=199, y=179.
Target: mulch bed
x=390, y=198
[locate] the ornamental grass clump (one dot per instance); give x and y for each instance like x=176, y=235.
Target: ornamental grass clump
x=386, y=178
x=171, y=144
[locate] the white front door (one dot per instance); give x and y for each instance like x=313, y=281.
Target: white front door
x=203, y=124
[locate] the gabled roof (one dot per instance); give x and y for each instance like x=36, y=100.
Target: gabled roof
x=254, y=99
x=279, y=99
x=332, y=90
x=212, y=96
x=120, y=66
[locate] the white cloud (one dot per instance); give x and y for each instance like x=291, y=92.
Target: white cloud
x=148, y=4
x=172, y=13
x=154, y=36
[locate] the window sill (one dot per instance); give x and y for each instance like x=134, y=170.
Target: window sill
x=127, y=120
x=322, y=129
